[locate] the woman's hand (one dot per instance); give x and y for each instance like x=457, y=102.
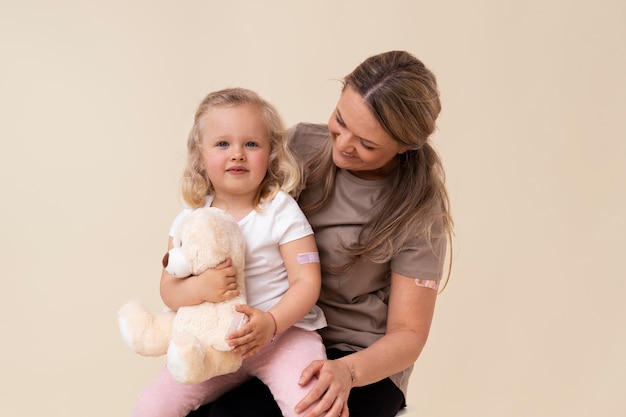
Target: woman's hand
x=220, y=283
x=329, y=395
x=255, y=334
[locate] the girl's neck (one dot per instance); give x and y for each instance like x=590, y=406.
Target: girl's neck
x=236, y=207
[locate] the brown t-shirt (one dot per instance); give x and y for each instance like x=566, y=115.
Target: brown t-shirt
x=355, y=304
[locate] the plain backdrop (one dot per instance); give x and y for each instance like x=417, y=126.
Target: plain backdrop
x=97, y=98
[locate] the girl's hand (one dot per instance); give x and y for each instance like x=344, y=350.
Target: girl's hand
x=253, y=335
x=329, y=395
x=219, y=283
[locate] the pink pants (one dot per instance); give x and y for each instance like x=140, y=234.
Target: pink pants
x=278, y=365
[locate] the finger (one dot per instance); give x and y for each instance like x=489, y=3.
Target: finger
x=316, y=394
x=311, y=370
x=250, y=353
x=227, y=295
x=231, y=294
x=337, y=409
x=228, y=262
x=324, y=407
x=229, y=286
x=249, y=348
x=244, y=308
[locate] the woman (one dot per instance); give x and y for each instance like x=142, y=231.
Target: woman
x=376, y=198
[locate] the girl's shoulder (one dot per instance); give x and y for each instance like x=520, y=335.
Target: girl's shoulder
x=280, y=201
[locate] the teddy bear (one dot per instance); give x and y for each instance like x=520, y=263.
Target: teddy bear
x=194, y=337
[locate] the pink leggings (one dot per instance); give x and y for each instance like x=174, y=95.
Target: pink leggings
x=278, y=365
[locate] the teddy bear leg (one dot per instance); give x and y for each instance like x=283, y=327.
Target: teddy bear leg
x=217, y=362
x=185, y=359
x=190, y=362
x=143, y=332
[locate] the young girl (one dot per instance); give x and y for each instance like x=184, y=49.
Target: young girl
x=239, y=161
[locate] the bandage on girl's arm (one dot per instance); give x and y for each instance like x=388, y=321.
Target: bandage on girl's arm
x=308, y=257
x=302, y=262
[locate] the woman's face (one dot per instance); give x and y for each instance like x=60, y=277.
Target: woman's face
x=360, y=144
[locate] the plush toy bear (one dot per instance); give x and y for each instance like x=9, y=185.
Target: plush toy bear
x=193, y=337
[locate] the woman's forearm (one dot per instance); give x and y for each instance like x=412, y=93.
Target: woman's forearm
x=389, y=355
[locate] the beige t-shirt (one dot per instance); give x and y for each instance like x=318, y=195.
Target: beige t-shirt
x=356, y=304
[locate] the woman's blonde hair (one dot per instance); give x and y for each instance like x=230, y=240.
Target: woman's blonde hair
x=283, y=172
x=403, y=96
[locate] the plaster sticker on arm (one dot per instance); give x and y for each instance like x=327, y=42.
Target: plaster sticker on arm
x=427, y=283
x=308, y=257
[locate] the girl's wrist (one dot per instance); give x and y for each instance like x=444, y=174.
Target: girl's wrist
x=275, y=326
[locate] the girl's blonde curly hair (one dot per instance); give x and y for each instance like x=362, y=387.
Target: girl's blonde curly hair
x=283, y=171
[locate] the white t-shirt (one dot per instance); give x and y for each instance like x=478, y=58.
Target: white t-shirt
x=277, y=222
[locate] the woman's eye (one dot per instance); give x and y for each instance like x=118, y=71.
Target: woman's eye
x=339, y=121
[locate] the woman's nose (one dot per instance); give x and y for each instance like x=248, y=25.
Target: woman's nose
x=345, y=141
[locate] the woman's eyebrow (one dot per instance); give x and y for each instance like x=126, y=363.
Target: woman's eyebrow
x=340, y=116
x=373, y=144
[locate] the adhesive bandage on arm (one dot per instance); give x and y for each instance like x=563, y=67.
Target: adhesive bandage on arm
x=427, y=283
x=308, y=258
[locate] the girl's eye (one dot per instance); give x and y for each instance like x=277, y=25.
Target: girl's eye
x=221, y=144
x=251, y=145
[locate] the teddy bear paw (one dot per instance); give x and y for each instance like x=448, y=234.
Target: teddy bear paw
x=185, y=358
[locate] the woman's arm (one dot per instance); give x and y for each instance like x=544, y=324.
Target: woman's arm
x=409, y=318
x=214, y=285
x=304, y=288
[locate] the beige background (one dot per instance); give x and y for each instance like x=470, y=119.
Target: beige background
x=96, y=98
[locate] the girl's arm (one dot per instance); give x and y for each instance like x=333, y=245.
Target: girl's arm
x=213, y=285
x=305, y=281
x=410, y=314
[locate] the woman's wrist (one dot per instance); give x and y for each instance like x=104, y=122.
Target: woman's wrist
x=351, y=371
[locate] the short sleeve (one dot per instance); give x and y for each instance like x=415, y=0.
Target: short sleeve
x=421, y=260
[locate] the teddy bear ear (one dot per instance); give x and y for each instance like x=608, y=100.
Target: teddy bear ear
x=165, y=259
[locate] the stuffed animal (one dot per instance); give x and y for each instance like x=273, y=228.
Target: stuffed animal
x=194, y=336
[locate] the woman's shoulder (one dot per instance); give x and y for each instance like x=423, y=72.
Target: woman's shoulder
x=304, y=128
x=307, y=137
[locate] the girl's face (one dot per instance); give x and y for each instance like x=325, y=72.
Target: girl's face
x=236, y=150
x=360, y=144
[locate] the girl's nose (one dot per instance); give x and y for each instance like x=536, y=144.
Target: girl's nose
x=237, y=154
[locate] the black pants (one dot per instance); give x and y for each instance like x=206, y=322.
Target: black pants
x=254, y=399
